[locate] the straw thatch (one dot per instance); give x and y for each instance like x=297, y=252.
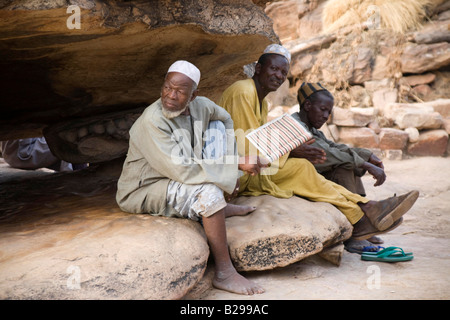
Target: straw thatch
x=397, y=15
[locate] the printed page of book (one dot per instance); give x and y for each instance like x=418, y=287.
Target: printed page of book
x=279, y=136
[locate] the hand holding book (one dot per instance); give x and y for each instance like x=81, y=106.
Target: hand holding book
x=252, y=165
x=307, y=151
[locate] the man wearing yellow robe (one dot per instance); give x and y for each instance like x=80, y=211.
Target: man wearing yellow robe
x=245, y=101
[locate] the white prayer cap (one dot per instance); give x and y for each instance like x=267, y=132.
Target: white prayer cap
x=277, y=49
x=186, y=68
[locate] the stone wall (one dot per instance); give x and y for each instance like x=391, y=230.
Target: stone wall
x=390, y=88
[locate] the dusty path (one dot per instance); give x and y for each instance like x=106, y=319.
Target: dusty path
x=425, y=232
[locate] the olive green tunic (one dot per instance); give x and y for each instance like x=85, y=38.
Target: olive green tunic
x=162, y=149
x=338, y=155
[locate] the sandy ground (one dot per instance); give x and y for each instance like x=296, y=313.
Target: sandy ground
x=425, y=232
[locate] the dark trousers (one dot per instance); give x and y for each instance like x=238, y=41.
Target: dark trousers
x=346, y=178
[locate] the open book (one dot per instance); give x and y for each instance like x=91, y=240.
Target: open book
x=279, y=136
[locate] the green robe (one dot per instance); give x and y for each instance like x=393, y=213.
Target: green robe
x=156, y=149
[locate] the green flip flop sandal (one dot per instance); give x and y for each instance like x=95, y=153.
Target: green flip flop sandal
x=389, y=249
x=390, y=254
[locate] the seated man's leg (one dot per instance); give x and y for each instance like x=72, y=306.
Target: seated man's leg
x=226, y=277
x=352, y=182
x=346, y=178
x=373, y=217
x=300, y=176
x=207, y=203
x=31, y=154
x=215, y=147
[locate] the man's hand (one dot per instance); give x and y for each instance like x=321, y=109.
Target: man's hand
x=376, y=172
x=229, y=197
x=252, y=164
x=376, y=168
x=376, y=161
x=313, y=154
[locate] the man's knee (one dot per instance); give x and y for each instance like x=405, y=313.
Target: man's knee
x=303, y=164
x=347, y=179
x=215, y=140
x=195, y=201
x=209, y=201
x=217, y=124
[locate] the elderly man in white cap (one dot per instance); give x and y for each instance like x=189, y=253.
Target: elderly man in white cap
x=176, y=167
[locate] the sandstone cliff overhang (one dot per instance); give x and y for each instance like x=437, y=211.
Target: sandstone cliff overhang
x=116, y=60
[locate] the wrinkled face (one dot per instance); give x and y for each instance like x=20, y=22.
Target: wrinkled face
x=176, y=92
x=318, y=110
x=273, y=72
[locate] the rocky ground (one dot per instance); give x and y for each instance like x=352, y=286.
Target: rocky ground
x=425, y=232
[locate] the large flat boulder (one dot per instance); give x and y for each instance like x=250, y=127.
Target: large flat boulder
x=71, y=241
x=118, y=256
x=283, y=231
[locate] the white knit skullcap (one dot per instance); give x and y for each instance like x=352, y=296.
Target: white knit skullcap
x=277, y=49
x=186, y=68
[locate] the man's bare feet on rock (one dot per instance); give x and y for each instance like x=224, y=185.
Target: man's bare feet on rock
x=233, y=282
x=237, y=210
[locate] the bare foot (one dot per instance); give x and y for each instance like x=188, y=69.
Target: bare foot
x=233, y=282
x=237, y=210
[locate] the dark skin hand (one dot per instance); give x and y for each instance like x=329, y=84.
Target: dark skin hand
x=376, y=168
x=313, y=154
x=251, y=165
x=376, y=161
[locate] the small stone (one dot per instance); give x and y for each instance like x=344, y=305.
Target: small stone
x=393, y=154
x=82, y=132
x=413, y=134
x=353, y=117
x=96, y=128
